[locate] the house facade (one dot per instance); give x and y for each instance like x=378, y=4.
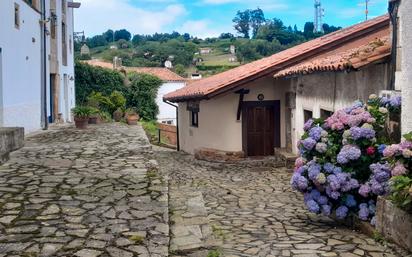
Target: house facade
x=263, y=105
x=31, y=96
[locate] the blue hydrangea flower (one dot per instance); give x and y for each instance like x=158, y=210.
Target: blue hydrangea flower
x=363, y=211
x=361, y=133
x=342, y=212
x=350, y=201
x=381, y=148
x=329, y=167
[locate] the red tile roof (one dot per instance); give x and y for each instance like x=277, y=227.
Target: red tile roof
x=162, y=73
x=226, y=81
x=355, y=58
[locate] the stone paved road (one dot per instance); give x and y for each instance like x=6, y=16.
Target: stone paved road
x=252, y=212
x=84, y=193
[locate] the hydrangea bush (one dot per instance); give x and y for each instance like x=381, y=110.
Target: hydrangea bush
x=399, y=157
x=340, y=169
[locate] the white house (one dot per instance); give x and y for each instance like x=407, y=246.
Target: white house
x=33, y=94
x=257, y=107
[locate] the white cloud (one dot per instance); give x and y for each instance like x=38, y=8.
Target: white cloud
x=266, y=5
x=96, y=16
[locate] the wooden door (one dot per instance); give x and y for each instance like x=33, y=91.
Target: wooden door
x=261, y=128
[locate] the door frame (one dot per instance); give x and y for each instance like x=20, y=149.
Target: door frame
x=277, y=119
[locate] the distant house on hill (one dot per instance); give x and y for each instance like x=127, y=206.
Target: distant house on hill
x=171, y=82
x=205, y=50
x=258, y=107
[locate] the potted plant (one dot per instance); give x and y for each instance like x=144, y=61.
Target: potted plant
x=81, y=116
x=131, y=116
x=118, y=115
x=95, y=117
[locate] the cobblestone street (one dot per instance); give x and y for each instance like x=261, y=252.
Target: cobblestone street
x=83, y=193
x=106, y=191
x=251, y=211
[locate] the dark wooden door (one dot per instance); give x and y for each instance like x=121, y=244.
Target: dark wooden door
x=262, y=125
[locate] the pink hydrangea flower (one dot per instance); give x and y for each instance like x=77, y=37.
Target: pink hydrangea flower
x=399, y=170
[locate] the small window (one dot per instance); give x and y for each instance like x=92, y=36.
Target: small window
x=324, y=114
x=194, y=120
x=307, y=115
x=17, y=16
x=64, y=7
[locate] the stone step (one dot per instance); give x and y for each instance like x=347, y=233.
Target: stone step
x=286, y=157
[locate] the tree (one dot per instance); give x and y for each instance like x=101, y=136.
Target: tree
x=96, y=41
x=308, y=30
x=142, y=95
x=138, y=39
x=226, y=36
x=109, y=35
x=257, y=19
x=180, y=69
x=242, y=23
x=122, y=34
x=329, y=29
x=186, y=36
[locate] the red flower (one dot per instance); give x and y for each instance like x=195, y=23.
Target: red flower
x=371, y=150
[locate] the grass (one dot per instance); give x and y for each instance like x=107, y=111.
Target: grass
x=137, y=239
x=151, y=129
x=213, y=253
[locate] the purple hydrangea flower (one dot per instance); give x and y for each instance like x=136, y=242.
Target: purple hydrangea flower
x=348, y=153
x=326, y=210
x=395, y=101
x=322, y=200
x=363, y=211
x=308, y=124
x=364, y=190
x=312, y=206
x=313, y=171
x=360, y=133
x=342, y=212
x=299, y=182
x=308, y=143
x=315, y=133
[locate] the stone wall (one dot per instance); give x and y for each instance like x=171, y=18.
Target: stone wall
x=11, y=139
x=394, y=223
x=213, y=155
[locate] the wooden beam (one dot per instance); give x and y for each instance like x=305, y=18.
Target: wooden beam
x=242, y=92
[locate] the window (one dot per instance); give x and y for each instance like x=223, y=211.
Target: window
x=194, y=120
x=324, y=114
x=53, y=24
x=33, y=3
x=16, y=16
x=307, y=115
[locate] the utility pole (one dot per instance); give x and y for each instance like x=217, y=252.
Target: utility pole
x=319, y=14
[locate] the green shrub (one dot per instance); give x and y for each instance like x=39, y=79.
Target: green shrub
x=101, y=102
x=142, y=94
x=118, y=100
x=95, y=79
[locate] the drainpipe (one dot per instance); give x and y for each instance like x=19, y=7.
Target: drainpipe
x=43, y=31
x=393, y=13
x=177, y=123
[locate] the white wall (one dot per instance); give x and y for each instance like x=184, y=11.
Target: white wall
x=167, y=112
x=66, y=102
x=21, y=74
x=404, y=78
x=333, y=91
x=218, y=127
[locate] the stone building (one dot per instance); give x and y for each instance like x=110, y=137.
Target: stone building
x=257, y=107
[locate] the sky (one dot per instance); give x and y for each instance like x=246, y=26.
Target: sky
x=208, y=18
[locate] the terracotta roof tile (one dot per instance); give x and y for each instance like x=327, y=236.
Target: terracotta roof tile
x=225, y=81
x=162, y=73
x=354, y=58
